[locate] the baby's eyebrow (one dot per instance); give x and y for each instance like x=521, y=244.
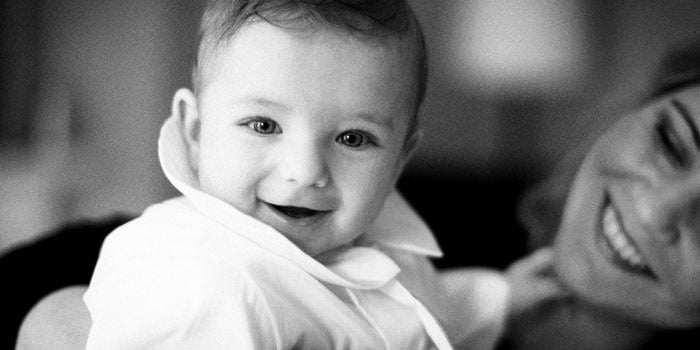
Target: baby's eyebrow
x=261, y=101
x=384, y=122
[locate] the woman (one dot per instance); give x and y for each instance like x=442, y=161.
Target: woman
x=627, y=243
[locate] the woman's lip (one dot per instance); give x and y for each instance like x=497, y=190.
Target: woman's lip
x=616, y=245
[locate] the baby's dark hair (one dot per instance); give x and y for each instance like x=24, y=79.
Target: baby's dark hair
x=369, y=20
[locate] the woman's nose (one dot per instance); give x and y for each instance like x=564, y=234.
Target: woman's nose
x=670, y=208
x=305, y=165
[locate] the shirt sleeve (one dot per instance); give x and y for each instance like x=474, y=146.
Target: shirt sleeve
x=173, y=301
x=423, y=281
x=479, y=299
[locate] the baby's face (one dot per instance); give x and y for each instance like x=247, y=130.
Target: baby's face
x=304, y=131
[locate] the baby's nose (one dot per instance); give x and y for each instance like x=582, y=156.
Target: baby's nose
x=305, y=165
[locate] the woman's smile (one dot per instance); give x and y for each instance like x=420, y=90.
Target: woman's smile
x=616, y=245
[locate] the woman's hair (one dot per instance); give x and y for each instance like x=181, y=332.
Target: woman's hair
x=679, y=69
x=540, y=209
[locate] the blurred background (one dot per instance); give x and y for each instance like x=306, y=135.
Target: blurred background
x=514, y=85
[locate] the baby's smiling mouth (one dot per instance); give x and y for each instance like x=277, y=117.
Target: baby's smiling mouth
x=296, y=212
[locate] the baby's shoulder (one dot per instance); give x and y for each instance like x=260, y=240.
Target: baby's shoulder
x=163, y=259
x=172, y=225
x=175, y=231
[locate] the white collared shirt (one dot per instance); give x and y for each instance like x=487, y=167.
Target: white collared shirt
x=195, y=273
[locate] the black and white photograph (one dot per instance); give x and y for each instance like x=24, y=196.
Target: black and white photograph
x=350, y=174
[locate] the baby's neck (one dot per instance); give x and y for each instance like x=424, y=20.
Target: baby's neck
x=576, y=325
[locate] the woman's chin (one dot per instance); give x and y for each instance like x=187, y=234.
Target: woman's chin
x=613, y=291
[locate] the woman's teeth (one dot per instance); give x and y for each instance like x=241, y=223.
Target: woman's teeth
x=626, y=253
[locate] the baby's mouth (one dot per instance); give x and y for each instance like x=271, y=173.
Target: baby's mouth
x=616, y=244
x=295, y=212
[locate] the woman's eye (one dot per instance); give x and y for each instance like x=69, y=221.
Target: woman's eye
x=356, y=139
x=264, y=126
x=671, y=143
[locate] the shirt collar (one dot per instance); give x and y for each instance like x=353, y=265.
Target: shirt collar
x=397, y=226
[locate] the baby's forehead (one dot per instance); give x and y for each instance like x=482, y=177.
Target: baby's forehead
x=266, y=66
x=406, y=45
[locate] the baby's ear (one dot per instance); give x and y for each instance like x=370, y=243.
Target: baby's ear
x=184, y=108
x=410, y=146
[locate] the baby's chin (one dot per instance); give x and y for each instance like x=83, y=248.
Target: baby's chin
x=313, y=233
x=326, y=244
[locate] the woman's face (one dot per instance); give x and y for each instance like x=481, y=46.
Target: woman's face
x=630, y=236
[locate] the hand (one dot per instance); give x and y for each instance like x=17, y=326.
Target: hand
x=533, y=282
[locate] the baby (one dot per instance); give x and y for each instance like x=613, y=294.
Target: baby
x=290, y=233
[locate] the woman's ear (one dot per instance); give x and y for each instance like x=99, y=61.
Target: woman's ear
x=184, y=108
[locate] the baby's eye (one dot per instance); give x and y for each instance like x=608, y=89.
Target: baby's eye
x=356, y=139
x=264, y=126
